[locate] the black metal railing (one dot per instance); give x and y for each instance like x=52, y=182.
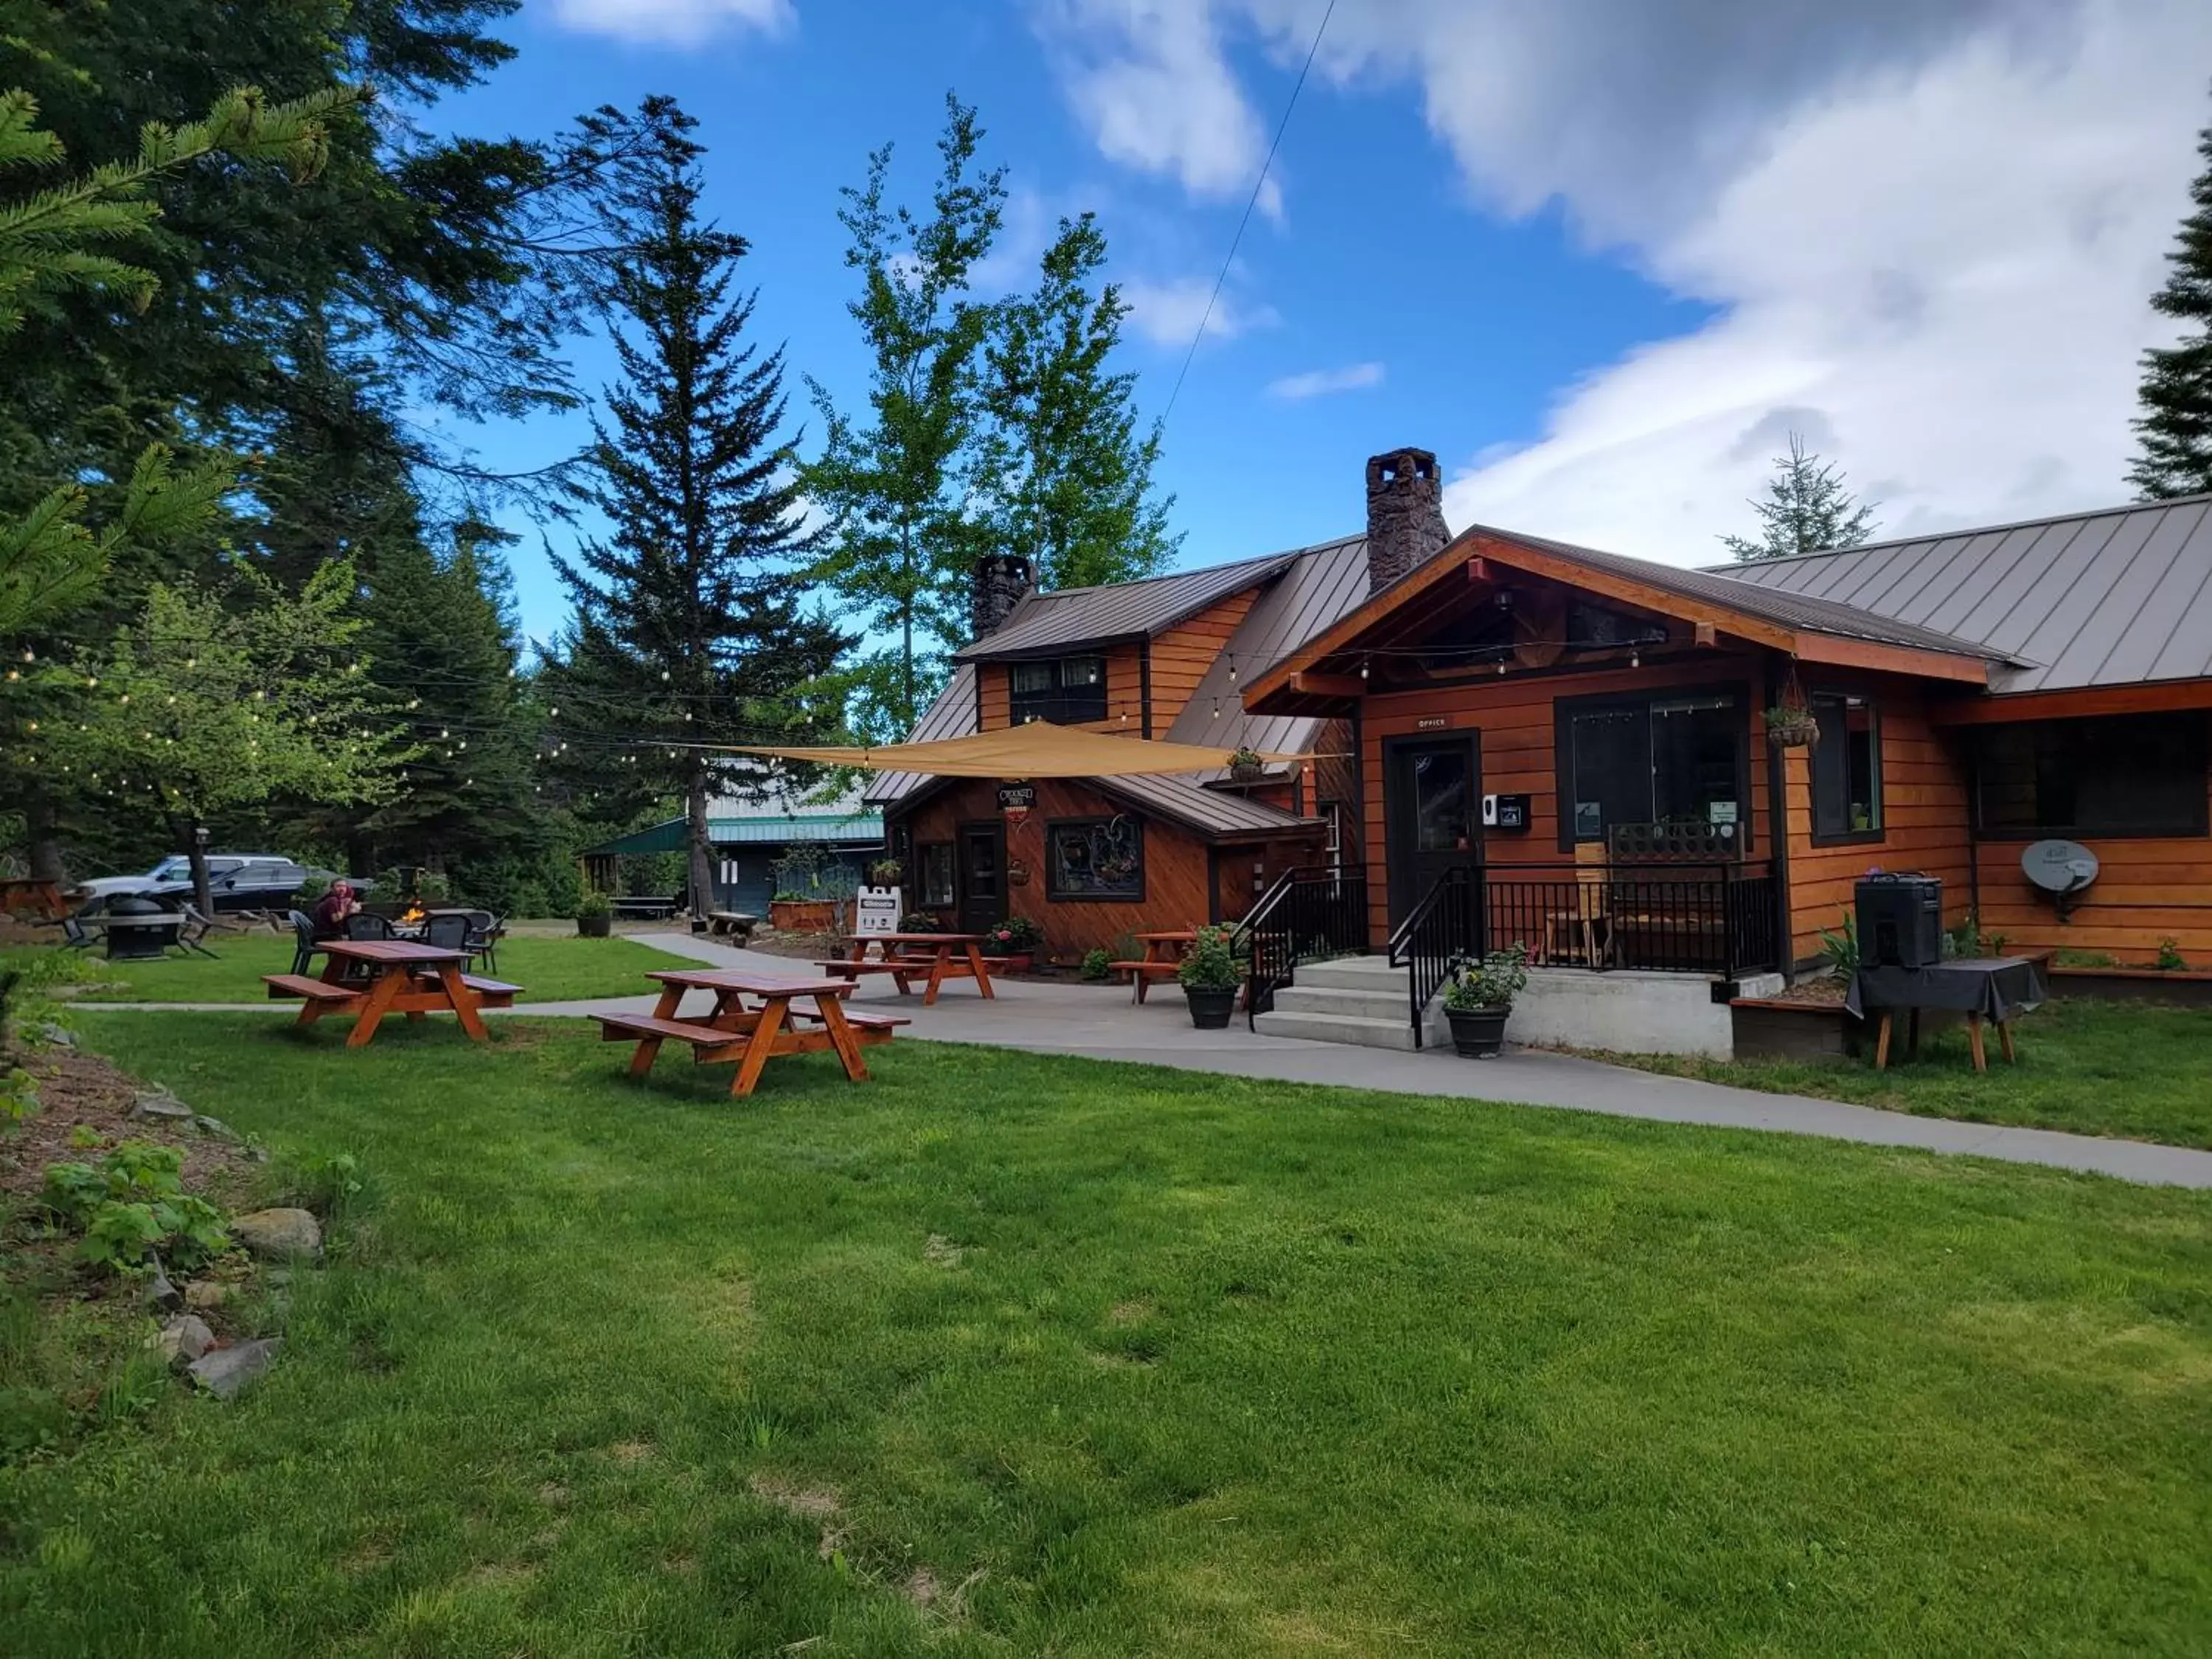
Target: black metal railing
x=1308, y=915
x=1672, y=918
x=1445, y=925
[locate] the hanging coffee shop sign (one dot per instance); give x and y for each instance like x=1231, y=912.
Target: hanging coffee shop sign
x=1017, y=800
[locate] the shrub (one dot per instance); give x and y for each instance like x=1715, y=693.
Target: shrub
x=1016, y=936
x=920, y=921
x=592, y=905
x=135, y=1202
x=1841, y=946
x=1097, y=965
x=311, y=889
x=1490, y=981
x=2170, y=959
x=1211, y=964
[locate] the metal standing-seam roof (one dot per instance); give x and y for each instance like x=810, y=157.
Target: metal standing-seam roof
x=2114, y=598
x=1048, y=622
x=951, y=715
x=1788, y=608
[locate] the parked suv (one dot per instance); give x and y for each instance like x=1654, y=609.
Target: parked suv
x=236, y=881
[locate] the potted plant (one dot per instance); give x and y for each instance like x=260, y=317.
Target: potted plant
x=920, y=921
x=1791, y=725
x=1210, y=975
x=1013, y=944
x=886, y=872
x=1245, y=765
x=1479, y=995
x=595, y=914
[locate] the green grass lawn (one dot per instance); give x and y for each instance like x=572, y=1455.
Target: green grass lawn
x=555, y=970
x=2134, y=1070
x=1017, y=1354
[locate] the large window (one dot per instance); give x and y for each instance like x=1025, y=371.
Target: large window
x=1067, y=691
x=1095, y=858
x=1660, y=760
x=1846, y=769
x=936, y=871
x=2140, y=775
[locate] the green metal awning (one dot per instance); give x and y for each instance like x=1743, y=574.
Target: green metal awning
x=763, y=830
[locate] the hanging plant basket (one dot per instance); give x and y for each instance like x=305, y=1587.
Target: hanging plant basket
x=1246, y=766
x=1792, y=728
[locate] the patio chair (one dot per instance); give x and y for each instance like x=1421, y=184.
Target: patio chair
x=303, y=950
x=1584, y=933
x=77, y=936
x=194, y=932
x=447, y=931
x=485, y=932
x=363, y=925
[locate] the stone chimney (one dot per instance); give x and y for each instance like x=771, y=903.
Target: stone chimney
x=1405, y=514
x=1001, y=579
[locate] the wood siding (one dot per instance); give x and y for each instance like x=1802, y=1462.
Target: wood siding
x=1925, y=814
x=1124, y=703
x=1182, y=655
x=1514, y=715
x=1177, y=888
x=2146, y=891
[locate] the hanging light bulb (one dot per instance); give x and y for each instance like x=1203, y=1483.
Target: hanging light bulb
x=1232, y=668
x=1636, y=660
x=1363, y=671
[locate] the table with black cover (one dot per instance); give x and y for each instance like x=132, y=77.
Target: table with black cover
x=1998, y=989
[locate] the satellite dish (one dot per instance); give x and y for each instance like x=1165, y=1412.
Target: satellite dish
x=2059, y=866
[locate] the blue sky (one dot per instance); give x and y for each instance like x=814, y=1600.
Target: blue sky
x=1600, y=268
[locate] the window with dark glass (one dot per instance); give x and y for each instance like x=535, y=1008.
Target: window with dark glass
x=1440, y=823
x=2137, y=774
x=1846, y=767
x=936, y=871
x=1066, y=691
x=1667, y=760
x=1095, y=858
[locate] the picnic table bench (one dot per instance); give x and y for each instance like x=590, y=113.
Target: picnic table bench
x=371, y=978
x=1162, y=959
x=647, y=909
x=722, y=922
x=908, y=956
x=750, y=1037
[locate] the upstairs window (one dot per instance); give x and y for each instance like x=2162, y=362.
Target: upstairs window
x=1067, y=690
x=1846, y=769
x=2142, y=775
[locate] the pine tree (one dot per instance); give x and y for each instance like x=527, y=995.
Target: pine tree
x=902, y=540
x=689, y=629
x=1067, y=476
x=2175, y=427
x=1806, y=509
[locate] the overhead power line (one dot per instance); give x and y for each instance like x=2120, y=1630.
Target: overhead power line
x=1253, y=201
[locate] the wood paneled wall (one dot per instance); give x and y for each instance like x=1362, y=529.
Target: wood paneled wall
x=2145, y=891
x=1925, y=814
x=1514, y=715
x=1182, y=655
x=1178, y=890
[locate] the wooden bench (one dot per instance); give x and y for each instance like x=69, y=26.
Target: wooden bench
x=720, y=923
x=1142, y=974
x=707, y=1042
x=647, y=909
x=858, y=1022
x=492, y=993
x=284, y=986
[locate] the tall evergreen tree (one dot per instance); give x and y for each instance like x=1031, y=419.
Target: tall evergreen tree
x=901, y=538
x=1806, y=509
x=2175, y=427
x=690, y=629
x=1064, y=472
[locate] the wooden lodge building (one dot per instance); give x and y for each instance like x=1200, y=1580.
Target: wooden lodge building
x=1576, y=744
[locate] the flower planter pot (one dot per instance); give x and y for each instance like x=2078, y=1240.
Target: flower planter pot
x=1248, y=772
x=1209, y=1009
x=1477, y=1033
x=594, y=926
x=802, y=915
x=1792, y=733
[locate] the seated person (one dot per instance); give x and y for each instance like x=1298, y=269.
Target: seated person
x=332, y=910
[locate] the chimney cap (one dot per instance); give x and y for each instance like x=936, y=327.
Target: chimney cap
x=1395, y=463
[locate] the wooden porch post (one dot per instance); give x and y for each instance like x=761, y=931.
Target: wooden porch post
x=1777, y=806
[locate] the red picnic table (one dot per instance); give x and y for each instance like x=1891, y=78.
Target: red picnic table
x=371, y=978
x=1163, y=957
x=34, y=895
x=750, y=1036
x=910, y=956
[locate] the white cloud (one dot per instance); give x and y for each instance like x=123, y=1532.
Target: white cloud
x=1167, y=313
x=1148, y=79
x=674, y=22
x=1321, y=382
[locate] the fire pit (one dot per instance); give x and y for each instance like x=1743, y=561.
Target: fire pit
x=141, y=929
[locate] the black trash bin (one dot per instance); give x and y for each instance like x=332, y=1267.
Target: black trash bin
x=1900, y=920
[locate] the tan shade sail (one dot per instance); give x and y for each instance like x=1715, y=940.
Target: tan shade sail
x=1037, y=750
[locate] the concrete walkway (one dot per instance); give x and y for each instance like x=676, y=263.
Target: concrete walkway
x=1101, y=1023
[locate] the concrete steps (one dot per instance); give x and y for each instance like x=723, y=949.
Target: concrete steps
x=1360, y=1001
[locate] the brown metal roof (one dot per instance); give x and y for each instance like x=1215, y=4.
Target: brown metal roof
x=1049, y=622
x=1215, y=812
x=952, y=715
x=1789, y=608
x=2114, y=598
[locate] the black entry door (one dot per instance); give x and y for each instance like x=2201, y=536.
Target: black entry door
x=982, y=877
x=1432, y=813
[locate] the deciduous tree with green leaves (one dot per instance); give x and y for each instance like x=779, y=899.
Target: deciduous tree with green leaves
x=1806, y=509
x=1063, y=475
x=2175, y=429
x=210, y=702
x=894, y=484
